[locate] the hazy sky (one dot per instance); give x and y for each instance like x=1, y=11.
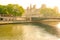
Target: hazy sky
x=25, y=3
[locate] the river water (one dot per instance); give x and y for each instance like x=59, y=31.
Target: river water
x=29, y=31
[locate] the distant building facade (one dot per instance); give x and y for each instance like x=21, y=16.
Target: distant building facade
x=31, y=11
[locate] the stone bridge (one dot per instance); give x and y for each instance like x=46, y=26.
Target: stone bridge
x=29, y=19
x=46, y=19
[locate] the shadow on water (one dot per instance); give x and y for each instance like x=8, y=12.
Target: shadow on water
x=46, y=27
x=50, y=29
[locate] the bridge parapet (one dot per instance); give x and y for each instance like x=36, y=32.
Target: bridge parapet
x=30, y=19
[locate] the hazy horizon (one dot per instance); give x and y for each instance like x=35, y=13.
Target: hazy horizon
x=38, y=3
x=26, y=3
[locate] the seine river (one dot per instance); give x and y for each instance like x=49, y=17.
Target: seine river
x=30, y=31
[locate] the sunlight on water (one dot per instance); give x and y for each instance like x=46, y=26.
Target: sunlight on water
x=35, y=33
x=29, y=32
x=58, y=25
x=58, y=28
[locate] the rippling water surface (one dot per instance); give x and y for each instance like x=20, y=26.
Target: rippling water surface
x=27, y=31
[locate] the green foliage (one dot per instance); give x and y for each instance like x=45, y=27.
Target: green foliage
x=48, y=12
x=11, y=9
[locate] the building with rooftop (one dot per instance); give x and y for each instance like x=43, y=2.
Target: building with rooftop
x=31, y=11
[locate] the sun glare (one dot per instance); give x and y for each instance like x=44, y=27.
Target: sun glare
x=58, y=25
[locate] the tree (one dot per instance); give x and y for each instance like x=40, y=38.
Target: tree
x=48, y=12
x=2, y=9
x=11, y=9
x=15, y=9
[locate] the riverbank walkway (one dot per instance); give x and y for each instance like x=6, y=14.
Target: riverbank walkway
x=25, y=19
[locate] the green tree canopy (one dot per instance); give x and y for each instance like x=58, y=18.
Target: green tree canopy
x=48, y=12
x=11, y=9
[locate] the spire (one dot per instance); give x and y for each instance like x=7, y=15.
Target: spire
x=27, y=8
x=30, y=6
x=34, y=6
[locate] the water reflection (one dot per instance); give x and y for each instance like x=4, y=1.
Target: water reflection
x=58, y=28
x=58, y=25
x=25, y=32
